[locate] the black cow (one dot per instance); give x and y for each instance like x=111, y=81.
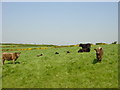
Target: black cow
x=68, y=51
x=56, y=53
x=85, y=48
x=85, y=45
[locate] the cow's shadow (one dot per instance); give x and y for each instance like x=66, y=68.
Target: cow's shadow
x=95, y=61
x=12, y=63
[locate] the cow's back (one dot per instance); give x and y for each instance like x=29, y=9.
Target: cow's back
x=7, y=56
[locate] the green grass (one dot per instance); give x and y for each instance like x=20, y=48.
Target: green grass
x=73, y=70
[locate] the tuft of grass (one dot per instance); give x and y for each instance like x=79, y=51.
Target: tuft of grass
x=73, y=70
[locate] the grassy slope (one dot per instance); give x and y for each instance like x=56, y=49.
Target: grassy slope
x=74, y=70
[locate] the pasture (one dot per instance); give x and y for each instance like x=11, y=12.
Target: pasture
x=63, y=70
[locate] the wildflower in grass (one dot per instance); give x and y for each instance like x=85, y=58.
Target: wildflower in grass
x=18, y=49
x=38, y=48
x=25, y=49
x=29, y=48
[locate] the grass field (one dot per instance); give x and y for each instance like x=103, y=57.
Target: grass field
x=73, y=70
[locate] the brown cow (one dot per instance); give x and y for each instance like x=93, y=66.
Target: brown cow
x=99, y=53
x=10, y=56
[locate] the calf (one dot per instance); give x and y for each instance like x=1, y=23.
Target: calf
x=10, y=56
x=99, y=53
x=40, y=55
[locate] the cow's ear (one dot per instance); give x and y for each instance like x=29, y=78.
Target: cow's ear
x=100, y=48
x=80, y=45
x=95, y=49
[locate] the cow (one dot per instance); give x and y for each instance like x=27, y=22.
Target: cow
x=88, y=45
x=10, y=56
x=99, y=53
x=85, y=48
x=56, y=53
x=40, y=55
x=68, y=51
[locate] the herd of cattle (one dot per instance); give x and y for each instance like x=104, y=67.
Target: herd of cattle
x=85, y=48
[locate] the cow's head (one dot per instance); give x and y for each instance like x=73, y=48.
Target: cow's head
x=17, y=54
x=80, y=45
x=98, y=50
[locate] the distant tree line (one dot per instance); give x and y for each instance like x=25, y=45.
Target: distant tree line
x=26, y=45
x=115, y=42
x=45, y=45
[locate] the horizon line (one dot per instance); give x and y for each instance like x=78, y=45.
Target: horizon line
x=54, y=44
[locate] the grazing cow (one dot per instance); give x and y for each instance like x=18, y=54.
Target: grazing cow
x=56, y=53
x=85, y=45
x=68, y=51
x=40, y=55
x=85, y=48
x=10, y=56
x=99, y=53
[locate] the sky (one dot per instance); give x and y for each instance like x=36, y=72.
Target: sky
x=0, y=22
x=59, y=23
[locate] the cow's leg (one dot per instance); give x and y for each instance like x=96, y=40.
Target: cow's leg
x=3, y=60
x=13, y=61
x=99, y=60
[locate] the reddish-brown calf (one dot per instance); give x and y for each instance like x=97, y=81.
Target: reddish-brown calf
x=10, y=56
x=99, y=53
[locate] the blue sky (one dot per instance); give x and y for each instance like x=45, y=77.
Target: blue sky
x=0, y=21
x=59, y=23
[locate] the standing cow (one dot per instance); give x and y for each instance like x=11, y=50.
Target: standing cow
x=99, y=53
x=10, y=56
